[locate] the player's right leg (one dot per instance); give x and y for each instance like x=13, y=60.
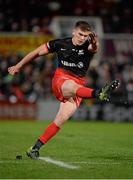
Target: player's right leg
x=33, y=153
x=66, y=110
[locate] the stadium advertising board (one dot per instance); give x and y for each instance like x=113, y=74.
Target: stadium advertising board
x=89, y=110
x=18, y=111
x=106, y=112
x=115, y=45
x=19, y=42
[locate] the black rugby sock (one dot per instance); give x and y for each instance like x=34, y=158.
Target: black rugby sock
x=38, y=144
x=95, y=93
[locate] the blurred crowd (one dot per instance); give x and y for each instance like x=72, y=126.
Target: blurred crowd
x=34, y=81
x=36, y=15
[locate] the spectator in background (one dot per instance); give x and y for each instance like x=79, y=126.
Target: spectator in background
x=17, y=16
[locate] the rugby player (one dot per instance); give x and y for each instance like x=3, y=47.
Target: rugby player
x=69, y=80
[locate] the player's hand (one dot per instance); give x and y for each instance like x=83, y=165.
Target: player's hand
x=93, y=37
x=94, y=44
x=13, y=70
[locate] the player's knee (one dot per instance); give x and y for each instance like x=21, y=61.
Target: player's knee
x=61, y=119
x=70, y=86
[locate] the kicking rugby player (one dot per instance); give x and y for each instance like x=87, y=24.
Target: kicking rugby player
x=69, y=80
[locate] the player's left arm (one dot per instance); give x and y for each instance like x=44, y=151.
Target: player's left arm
x=94, y=43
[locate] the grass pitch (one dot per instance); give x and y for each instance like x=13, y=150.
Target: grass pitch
x=100, y=149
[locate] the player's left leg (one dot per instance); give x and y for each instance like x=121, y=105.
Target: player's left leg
x=71, y=88
x=66, y=110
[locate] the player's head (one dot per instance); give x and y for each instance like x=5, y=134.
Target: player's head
x=81, y=32
x=83, y=25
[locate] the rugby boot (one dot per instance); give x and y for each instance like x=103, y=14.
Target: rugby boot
x=105, y=93
x=33, y=153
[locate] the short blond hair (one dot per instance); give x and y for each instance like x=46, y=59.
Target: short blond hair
x=83, y=25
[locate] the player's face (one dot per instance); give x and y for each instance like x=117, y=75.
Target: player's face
x=79, y=36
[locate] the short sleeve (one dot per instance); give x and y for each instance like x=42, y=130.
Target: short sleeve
x=53, y=45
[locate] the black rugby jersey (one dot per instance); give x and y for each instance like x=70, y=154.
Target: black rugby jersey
x=75, y=59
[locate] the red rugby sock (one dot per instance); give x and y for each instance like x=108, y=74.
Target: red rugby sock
x=84, y=92
x=49, y=132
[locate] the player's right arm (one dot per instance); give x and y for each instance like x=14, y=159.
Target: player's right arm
x=41, y=50
x=94, y=43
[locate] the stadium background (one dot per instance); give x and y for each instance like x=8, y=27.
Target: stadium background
x=90, y=140
x=26, y=24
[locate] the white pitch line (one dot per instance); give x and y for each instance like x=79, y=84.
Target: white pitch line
x=62, y=164
x=58, y=163
x=96, y=163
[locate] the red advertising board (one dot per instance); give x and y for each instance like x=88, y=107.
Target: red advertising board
x=18, y=111
x=116, y=46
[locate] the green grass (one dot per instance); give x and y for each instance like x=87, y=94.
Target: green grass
x=101, y=149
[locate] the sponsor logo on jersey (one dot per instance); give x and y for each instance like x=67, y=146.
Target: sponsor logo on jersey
x=79, y=65
x=81, y=51
x=73, y=49
x=62, y=49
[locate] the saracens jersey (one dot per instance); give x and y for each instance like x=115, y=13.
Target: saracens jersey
x=75, y=59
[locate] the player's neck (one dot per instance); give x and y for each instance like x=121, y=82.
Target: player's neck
x=74, y=41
